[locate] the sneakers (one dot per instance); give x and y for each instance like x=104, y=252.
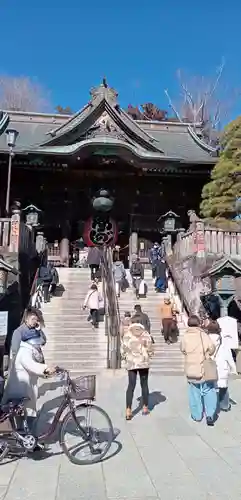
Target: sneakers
x=210, y=421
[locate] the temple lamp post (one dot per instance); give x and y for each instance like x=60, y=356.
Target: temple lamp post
x=12, y=135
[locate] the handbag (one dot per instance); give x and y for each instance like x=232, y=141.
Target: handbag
x=209, y=366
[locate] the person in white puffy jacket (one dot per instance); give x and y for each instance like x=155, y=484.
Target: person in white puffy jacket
x=92, y=302
x=225, y=365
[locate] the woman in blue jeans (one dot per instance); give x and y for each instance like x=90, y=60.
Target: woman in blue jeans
x=197, y=346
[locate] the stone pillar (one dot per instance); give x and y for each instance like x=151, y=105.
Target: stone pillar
x=133, y=246
x=40, y=243
x=167, y=240
x=64, y=245
x=3, y=280
x=15, y=228
x=200, y=239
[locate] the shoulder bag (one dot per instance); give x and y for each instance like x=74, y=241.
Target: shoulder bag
x=209, y=365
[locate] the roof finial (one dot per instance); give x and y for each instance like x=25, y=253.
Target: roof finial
x=104, y=82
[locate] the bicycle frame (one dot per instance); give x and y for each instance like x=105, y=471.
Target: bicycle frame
x=66, y=403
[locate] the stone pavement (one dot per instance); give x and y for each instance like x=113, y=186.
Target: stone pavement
x=164, y=456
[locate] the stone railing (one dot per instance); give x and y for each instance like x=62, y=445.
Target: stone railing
x=194, y=251
x=203, y=240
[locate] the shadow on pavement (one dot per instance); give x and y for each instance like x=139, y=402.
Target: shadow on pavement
x=155, y=398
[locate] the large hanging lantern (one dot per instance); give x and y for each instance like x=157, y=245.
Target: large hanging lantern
x=103, y=201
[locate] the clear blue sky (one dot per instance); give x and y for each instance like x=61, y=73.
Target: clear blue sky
x=70, y=45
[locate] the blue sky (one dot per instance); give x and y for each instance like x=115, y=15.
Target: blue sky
x=70, y=45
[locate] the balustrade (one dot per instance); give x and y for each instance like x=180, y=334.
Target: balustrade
x=206, y=240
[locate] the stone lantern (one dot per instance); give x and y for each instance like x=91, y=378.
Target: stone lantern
x=168, y=222
x=32, y=215
x=225, y=276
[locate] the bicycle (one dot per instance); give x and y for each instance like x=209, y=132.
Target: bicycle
x=15, y=442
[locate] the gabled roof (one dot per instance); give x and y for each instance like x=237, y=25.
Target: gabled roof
x=224, y=264
x=102, y=122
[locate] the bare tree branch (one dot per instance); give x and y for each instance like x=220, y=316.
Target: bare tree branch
x=172, y=106
x=203, y=101
x=23, y=94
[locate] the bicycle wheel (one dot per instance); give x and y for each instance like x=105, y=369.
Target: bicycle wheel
x=90, y=431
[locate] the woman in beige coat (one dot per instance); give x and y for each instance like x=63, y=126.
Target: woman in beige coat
x=197, y=346
x=137, y=349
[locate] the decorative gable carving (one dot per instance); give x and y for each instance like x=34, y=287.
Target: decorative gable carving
x=105, y=126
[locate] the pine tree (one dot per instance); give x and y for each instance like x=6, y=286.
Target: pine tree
x=219, y=196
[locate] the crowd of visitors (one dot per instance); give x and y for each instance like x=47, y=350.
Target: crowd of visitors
x=205, y=345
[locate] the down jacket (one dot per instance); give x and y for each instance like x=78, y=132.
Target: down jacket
x=136, y=347
x=196, y=345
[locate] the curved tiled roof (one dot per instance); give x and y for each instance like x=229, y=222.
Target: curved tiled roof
x=56, y=133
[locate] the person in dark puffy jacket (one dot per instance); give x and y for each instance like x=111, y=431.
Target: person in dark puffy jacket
x=45, y=276
x=157, y=253
x=93, y=261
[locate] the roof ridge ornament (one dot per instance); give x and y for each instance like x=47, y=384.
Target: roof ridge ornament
x=103, y=91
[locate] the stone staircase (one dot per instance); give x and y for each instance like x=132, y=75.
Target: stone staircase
x=168, y=359
x=74, y=345
x=71, y=341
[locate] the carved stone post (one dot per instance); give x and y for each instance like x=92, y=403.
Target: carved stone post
x=167, y=240
x=200, y=239
x=15, y=228
x=133, y=246
x=64, y=245
x=40, y=243
x=3, y=279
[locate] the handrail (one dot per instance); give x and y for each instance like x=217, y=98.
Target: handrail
x=112, y=321
x=35, y=287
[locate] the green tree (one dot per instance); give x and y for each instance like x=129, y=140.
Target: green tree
x=219, y=195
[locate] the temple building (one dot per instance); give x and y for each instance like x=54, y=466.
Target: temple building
x=61, y=161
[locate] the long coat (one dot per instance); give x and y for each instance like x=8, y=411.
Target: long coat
x=94, y=256
x=224, y=360
x=23, y=378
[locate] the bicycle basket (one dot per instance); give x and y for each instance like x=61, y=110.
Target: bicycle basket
x=84, y=387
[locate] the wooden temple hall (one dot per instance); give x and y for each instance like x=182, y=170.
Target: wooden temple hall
x=59, y=163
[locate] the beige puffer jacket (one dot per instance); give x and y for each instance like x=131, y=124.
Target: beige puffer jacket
x=196, y=345
x=136, y=347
